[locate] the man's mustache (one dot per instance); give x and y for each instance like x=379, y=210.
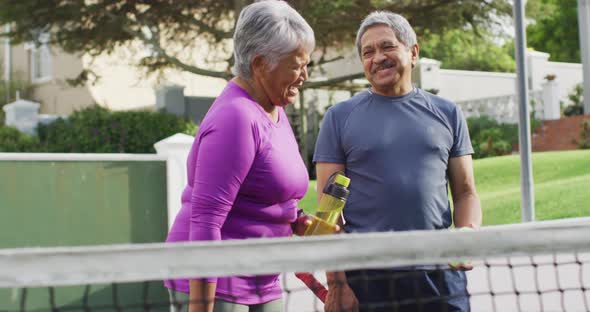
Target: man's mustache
x=383, y=65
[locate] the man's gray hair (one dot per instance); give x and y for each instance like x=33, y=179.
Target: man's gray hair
x=400, y=26
x=271, y=29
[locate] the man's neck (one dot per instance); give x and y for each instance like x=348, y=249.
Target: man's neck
x=397, y=90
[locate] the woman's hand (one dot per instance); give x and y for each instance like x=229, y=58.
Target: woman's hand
x=301, y=224
x=304, y=221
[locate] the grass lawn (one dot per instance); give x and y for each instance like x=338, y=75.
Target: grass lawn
x=310, y=201
x=562, y=187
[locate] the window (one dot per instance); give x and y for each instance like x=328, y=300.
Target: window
x=40, y=60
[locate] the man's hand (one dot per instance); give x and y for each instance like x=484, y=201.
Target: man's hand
x=463, y=265
x=341, y=298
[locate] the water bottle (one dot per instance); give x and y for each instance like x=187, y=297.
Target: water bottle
x=331, y=205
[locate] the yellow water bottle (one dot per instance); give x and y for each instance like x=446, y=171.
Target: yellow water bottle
x=331, y=205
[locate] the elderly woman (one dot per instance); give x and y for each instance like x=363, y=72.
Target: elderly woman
x=245, y=174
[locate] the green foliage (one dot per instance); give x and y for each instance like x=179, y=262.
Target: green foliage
x=576, y=102
x=555, y=29
x=98, y=130
x=13, y=141
x=465, y=49
x=490, y=138
x=584, y=142
x=491, y=142
x=169, y=28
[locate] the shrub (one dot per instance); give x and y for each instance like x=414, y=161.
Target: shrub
x=12, y=140
x=584, y=142
x=98, y=130
x=492, y=142
x=490, y=138
x=576, y=98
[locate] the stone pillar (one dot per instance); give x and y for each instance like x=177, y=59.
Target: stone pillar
x=23, y=115
x=426, y=75
x=537, y=68
x=551, y=96
x=176, y=149
x=170, y=98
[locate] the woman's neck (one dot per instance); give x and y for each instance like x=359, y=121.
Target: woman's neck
x=258, y=94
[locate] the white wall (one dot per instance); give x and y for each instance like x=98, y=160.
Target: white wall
x=461, y=85
x=494, y=94
x=125, y=86
x=567, y=74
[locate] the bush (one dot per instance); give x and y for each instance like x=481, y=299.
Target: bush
x=584, y=142
x=492, y=142
x=490, y=138
x=576, y=99
x=98, y=130
x=12, y=140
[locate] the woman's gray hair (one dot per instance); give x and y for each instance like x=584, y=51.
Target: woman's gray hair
x=271, y=29
x=400, y=26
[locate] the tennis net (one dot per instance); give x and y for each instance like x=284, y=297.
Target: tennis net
x=540, y=266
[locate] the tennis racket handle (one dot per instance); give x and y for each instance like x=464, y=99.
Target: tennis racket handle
x=313, y=284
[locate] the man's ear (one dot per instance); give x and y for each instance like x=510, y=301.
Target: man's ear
x=415, y=53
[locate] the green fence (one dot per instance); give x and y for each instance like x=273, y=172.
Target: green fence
x=75, y=203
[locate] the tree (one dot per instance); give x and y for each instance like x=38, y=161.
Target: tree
x=173, y=29
x=465, y=49
x=554, y=29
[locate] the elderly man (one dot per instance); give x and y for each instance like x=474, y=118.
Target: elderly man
x=401, y=146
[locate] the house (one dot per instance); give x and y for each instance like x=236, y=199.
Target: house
x=121, y=86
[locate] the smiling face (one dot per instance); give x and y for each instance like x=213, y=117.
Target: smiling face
x=387, y=62
x=280, y=84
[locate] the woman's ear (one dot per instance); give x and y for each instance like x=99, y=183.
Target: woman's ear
x=258, y=64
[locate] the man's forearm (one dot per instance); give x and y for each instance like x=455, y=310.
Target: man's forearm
x=336, y=279
x=467, y=212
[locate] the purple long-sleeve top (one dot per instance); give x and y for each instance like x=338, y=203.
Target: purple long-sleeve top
x=245, y=176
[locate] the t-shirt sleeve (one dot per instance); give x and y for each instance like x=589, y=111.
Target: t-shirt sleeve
x=328, y=147
x=461, y=141
x=226, y=154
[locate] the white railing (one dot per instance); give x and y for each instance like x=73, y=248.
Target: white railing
x=173, y=150
x=57, y=157
x=61, y=266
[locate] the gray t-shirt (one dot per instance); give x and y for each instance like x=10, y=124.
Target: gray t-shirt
x=396, y=151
